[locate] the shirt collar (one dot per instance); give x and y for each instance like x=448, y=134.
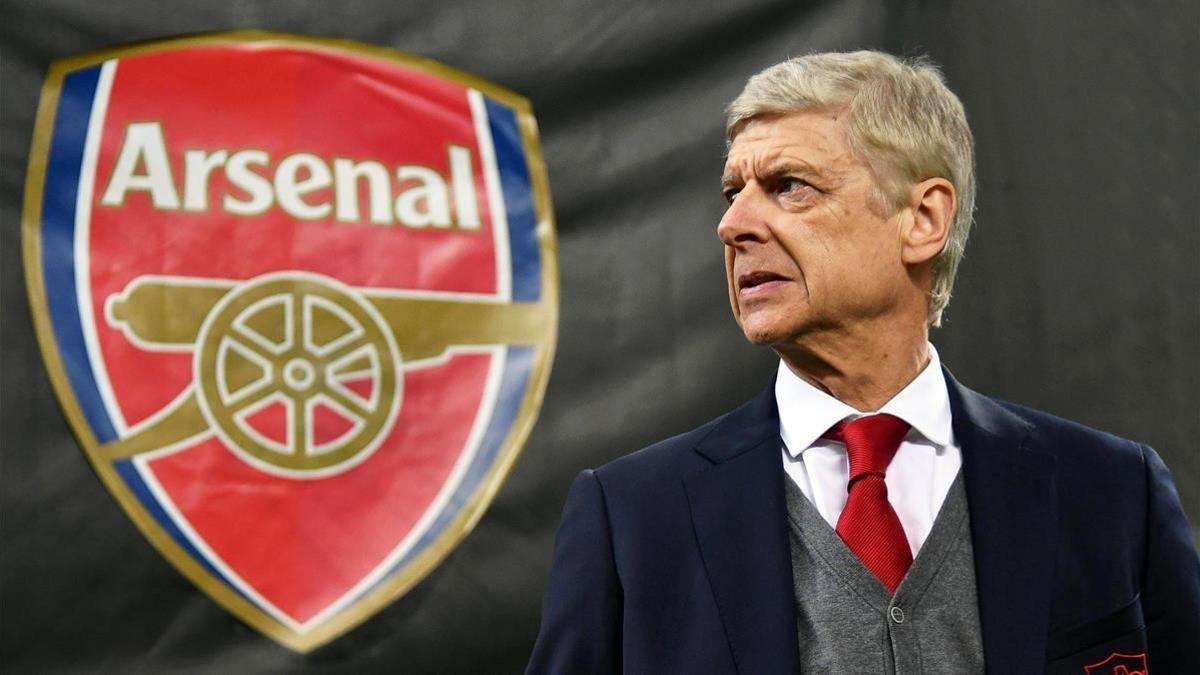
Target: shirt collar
x=805, y=412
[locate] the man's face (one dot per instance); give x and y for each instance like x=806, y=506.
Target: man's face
x=808, y=246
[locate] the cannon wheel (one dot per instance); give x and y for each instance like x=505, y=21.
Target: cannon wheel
x=298, y=374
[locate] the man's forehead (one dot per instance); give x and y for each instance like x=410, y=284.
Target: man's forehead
x=812, y=139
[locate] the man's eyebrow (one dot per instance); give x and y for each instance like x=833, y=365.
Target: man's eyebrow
x=777, y=170
x=791, y=167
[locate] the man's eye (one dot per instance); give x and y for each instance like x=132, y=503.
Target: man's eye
x=791, y=185
x=730, y=194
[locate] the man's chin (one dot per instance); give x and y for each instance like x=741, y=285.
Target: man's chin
x=781, y=331
x=764, y=335
x=775, y=324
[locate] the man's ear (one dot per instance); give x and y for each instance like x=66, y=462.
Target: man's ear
x=931, y=210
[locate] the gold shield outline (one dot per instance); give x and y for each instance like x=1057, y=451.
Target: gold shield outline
x=398, y=583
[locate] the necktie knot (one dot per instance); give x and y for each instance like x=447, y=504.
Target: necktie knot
x=871, y=442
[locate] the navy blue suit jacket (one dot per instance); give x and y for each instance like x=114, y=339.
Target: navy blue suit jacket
x=675, y=559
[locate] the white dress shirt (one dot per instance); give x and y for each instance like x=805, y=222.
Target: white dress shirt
x=920, y=474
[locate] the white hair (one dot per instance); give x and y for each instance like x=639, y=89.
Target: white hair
x=901, y=120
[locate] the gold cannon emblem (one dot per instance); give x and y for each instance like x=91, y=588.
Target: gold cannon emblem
x=298, y=338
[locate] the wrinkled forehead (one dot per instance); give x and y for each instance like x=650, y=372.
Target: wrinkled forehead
x=816, y=138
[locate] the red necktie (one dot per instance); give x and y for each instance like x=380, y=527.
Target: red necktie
x=868, y=524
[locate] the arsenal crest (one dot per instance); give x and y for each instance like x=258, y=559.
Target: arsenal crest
x=1119, y=664
x=298, y=299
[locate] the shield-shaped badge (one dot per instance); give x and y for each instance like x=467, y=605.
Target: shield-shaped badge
x=1119, y=664
x=298, y=298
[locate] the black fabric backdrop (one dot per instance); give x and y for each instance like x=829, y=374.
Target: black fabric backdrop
x=1080, y=293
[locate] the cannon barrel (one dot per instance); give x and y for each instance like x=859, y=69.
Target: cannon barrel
x=164, y=312
x=425, y=328
x=170, y=312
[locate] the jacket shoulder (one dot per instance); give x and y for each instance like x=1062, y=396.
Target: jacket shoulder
x=671, y=457
x=1090, y=464
x=663, y=465
x=1072, y=441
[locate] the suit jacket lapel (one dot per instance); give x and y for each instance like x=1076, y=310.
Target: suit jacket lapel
x=738, y=513
x=1011, y=496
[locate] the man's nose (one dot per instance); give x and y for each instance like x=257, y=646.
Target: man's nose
x=745, y=221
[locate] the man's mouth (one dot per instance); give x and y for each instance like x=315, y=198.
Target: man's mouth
x=757, y=280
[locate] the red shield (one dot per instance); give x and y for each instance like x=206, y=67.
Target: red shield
x=1119, y=664
x=298, y=300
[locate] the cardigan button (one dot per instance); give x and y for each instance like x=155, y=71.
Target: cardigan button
x=897, y=614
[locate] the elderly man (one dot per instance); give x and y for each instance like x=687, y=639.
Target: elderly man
x=866, y=513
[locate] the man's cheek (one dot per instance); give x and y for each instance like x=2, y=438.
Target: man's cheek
x=731, y=286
